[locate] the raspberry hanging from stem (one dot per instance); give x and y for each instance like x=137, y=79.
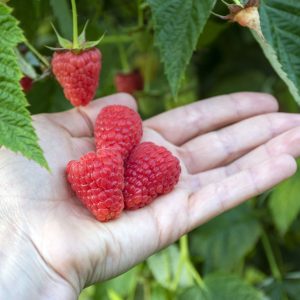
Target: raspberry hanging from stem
x=79, y=42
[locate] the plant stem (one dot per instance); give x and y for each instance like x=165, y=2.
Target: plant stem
x=75, y=25
x=184, y=249
x=140, y=13
x=184, y=246
x=226, y=3
x=147, y=75
x=123, y=58
x=196, y=276
x=37, y=54
x=237, y=2
x=178, y=270
x=270, y=256
x=147, y=289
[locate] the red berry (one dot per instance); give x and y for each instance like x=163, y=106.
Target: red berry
x=150, y=171
x=98, y=181
x=118, y=127
x=129, y=83
x=23, y=48
x=26, y=83
x=78, y=74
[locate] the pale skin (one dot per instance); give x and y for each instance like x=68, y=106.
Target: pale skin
x=230, y=147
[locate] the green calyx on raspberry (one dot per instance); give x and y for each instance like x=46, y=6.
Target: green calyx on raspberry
x=82, y=44
x=77, y=65
x=79, y=41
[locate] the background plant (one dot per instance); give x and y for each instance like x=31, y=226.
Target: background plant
x=184, y=53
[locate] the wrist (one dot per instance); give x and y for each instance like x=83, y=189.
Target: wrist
x=24, y=274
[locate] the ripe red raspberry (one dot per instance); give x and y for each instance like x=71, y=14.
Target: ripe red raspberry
x=150, y=171
x=130, y=82
x=98, y=181
x=118, y=127
x=26, y=83
x=78, y=74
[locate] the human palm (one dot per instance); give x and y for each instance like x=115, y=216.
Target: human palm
x=230, y=148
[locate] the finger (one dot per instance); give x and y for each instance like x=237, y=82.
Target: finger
x=219, y=197
x=286, y=143
x=79, y=121
x=182, y=124
x=82, y=146
x=157, y=229
x=223, y=146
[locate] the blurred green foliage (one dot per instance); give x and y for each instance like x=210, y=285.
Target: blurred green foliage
x=251, y=252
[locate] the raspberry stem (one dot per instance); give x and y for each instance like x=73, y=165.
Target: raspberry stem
x=270, y=256
x=140, y=13
x=226, y=3
x=75, y=25
x=37, y=54
x=237, y=2
x=123, y=58
x=147, y=74
x=185, y=260
x=184, y=249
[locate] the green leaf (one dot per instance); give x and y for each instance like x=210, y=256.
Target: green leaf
x=10, y=33
x=222, y=286
x=113, y=295
x=62, y=13
x=280, y=25
x=228, y=287
x=122, y=285
x=159, y=293
x=284, y=203
x=275, y=290
x=288, y=288
x=224, y=241
x=16, y=130
x=87, y=293
x=194, y=293
x=292, y=285
x=178, y=25
x=292, y=288
x=164, y=266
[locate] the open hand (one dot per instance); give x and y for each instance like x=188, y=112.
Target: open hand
x=231, y=148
